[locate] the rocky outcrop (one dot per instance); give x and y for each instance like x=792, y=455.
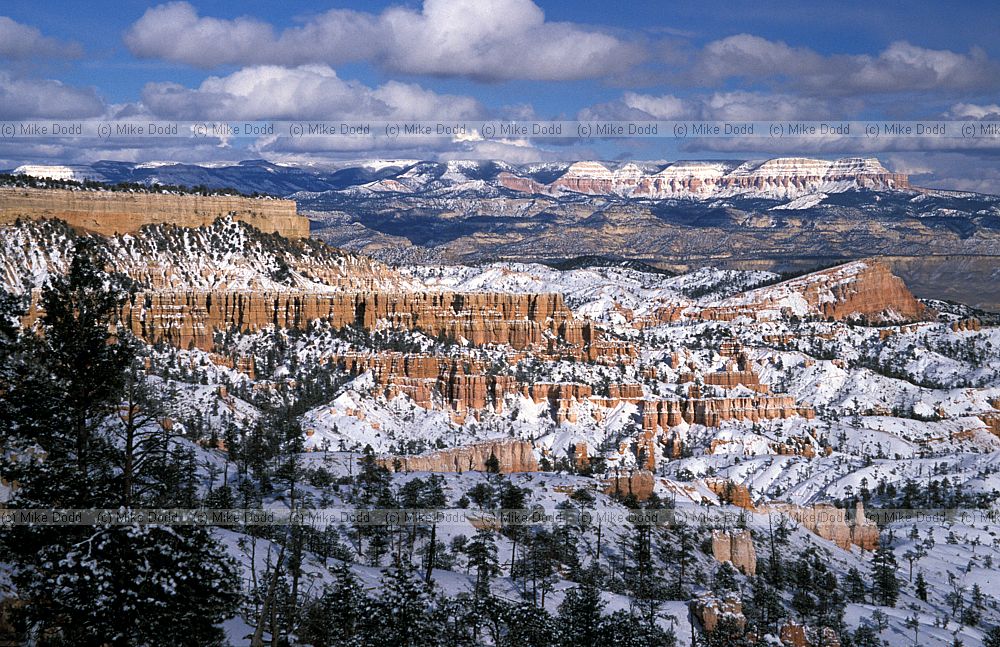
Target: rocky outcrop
x=111, y=212
x=731, y=492
x=829, y=522
x=560, y=396
x=735, y=547
x=865, y=289
x=709, y=609
x=864, y=533
x=793, y=634
x=512, y=456
x=461, y=385
x=992, y=422
x=638, y=483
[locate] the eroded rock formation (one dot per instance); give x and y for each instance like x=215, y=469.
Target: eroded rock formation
x=859, y=289
x=709, y=609
x=519, y=320
x=712, y=411
x=735, y=547
x=638, y=483
x=829, y=522
x=512, y=456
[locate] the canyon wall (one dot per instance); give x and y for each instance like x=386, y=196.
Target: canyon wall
x=189, y=318
x=111, y=212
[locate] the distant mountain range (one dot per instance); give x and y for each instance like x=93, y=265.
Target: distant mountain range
x=775, y=178
x=778, y=215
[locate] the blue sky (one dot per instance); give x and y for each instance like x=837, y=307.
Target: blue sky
x=507, y=58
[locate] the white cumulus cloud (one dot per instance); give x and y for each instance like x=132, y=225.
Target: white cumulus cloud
x=489, y=40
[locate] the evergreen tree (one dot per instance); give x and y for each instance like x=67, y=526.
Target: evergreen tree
x=921, y=586
x=482, y=554
x=724, y=580
x=455, y=622
x=992, y=637
x=492, y=464
x=114, y=584
x=527, y=626
x=402, y=614
x=885, y=587
x=854, y=585
x=763, y=609
x=622, y=629
x=335, y=619
x=579, y=619
x=727, y=633
x=867, y=636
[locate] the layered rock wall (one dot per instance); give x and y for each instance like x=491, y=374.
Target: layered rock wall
x=713, y=411
x=859, y=289
x=512, y=456
x=781, y=177
x=190, y=319
x=111, y=212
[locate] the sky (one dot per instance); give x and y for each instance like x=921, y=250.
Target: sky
x=506, y=59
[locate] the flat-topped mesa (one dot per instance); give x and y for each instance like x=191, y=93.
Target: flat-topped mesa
x=865, y=289
x=780, y=178
x=111, y=212
x=191, y=318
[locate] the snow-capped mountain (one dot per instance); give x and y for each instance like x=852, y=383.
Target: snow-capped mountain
x=699, y=180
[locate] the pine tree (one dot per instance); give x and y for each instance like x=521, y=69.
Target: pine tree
x=579, y=619
x=622, y=629
x=885, y=588
x=335, y=618
x=104, y=583
x=866, y=636
x=402, y=614
x=727, y=633
x=921, y=586
x=992, y=637
x=526, y=626
x=763, y=609
x=482, y=554
x=455, y=622
x=492, y=464
x=854, y=585
x=725, y=579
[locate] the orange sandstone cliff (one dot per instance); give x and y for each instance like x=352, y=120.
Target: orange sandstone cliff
x=111, y=212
